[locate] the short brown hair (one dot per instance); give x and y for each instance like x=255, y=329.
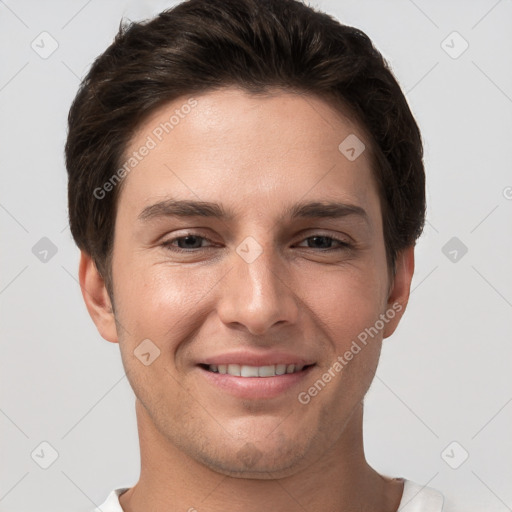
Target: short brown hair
x=202, y=45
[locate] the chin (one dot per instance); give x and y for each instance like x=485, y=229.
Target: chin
x=259, y=461
x=266, y=468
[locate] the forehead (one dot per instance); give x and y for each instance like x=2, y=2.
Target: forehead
x=230, y=113
x=239, y=147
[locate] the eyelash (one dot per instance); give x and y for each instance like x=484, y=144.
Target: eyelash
x=167, y=244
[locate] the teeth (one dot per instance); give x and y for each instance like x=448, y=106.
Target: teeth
x=234, y=369
x=249, y=371
x=280, y=369
x=243, y=370
x=267, y=371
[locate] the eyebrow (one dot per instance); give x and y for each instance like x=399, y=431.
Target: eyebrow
x=303, y=210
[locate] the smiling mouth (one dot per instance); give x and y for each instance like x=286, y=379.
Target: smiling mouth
x=238, y=370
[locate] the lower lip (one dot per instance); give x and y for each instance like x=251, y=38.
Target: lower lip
x=256, y=387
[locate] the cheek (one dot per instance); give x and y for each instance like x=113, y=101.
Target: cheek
x=161, y=302
x=346, y=301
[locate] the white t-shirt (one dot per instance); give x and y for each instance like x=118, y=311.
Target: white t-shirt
x=415, y=498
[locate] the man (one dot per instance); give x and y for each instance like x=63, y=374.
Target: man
x=246, y=187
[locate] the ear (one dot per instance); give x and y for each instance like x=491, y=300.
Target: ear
x=96, y=298
x=399, y=290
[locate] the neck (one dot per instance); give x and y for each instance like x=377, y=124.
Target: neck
x=340, y=480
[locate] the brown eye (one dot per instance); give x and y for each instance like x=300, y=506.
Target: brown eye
x=189, y=242
x=325, y=243
x=185, y=243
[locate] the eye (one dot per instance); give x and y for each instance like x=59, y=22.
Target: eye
x=185, y=243
x=192, y=242
x=324, y=242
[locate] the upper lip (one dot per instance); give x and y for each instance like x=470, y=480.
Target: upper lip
x=253, y=359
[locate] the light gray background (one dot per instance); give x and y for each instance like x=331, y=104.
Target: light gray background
x=444, y=376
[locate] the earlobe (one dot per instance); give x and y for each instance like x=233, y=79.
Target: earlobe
x=96, y=298
x=400, y=290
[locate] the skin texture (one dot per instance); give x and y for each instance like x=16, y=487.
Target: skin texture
x=200, y=447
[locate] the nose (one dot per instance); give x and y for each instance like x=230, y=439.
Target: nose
x=258, y=295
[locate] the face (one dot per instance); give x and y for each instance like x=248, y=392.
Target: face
x=246, y=241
